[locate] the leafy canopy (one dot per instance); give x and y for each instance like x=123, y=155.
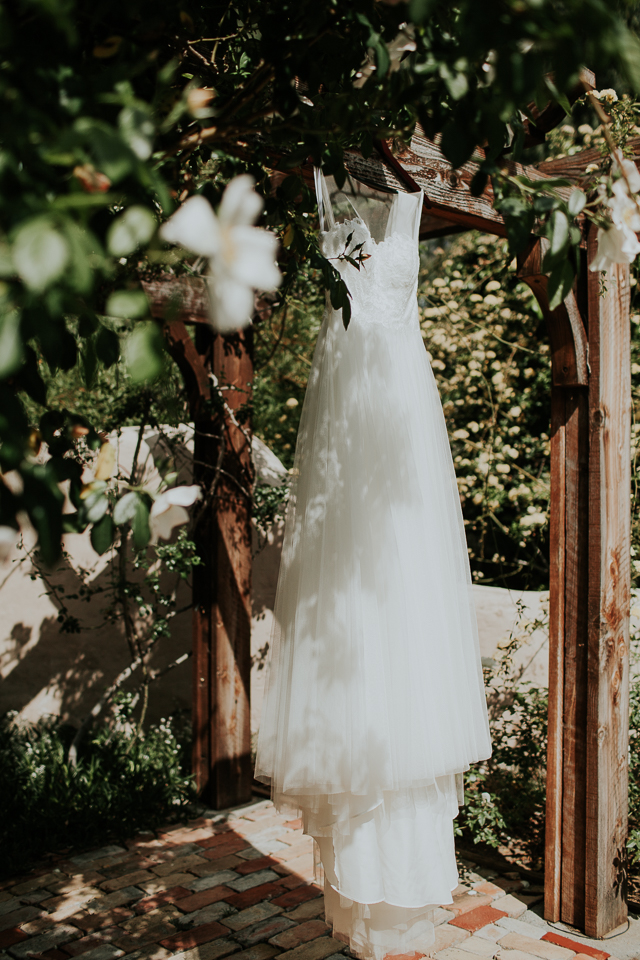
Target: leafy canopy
x=113, y=112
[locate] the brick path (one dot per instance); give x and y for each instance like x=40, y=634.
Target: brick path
x=242, y=884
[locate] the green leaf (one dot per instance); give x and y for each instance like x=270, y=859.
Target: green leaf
x=628, y=50
x=560, y=283
x=138, y=129
x=95, y=507
x=125, y=508
x=89, y=362
x=29, y=379
x=144, y=352
x=73, y=523
x=11, y=348
x=478, y=183
x=82, y=262
x=543, y=204
x=107, y=346
x=558, y=233
x=40, y=253
x=140, y=525
x=458, y=143
x=113, y=155
x=131, y=230
x=102, y=534
x=457, y=83
x=128, y=304
x=577, y=201
x=559, y=97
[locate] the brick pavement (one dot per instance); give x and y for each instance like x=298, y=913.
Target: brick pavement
x=242, y=884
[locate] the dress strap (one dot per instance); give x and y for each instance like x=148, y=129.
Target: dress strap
x=324, y=201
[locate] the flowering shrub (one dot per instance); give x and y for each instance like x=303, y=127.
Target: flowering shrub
x=485, y=337
x=122, y=782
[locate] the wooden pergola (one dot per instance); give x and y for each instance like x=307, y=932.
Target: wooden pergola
x=586, y=824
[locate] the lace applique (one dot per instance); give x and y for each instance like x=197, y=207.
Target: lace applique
x=383, y=290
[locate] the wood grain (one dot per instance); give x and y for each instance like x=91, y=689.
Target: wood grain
x=553, y=820
x=574, y=166
x=566, y=328
x=608, y=599
x=178, y=298
x=575, y=657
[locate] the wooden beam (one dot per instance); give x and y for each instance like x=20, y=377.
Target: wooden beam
x=222, y=533
x=222, y=583
x=574, y=167
x=183, y=299
x=566, y=328
x=566, y=772
x=609, y=599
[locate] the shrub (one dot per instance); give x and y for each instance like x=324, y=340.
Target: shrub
x=124, y=781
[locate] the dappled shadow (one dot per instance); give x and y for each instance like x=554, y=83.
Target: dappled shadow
x=54, y=667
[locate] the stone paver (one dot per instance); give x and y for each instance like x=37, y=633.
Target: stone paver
x=455, y=953
x=474, y=920
x=480, y=947
x=511, y=905
x=517, y=926
x=535, y=948
x=252, y=915
x=564, y=941
x=448, y=936
x=242, y=885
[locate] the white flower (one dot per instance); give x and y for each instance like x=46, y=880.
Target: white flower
x=8, y=540
x=619, y=243
x=609, y=95
x=241, y=256
x=168, y=510
x=486, y=797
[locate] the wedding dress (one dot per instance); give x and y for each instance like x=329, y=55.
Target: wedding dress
x=375, y=703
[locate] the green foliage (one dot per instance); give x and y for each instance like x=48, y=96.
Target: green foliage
x=516, y=772
x=124, y=781
x=480, y=818
x=112, y=111
x=269, y=504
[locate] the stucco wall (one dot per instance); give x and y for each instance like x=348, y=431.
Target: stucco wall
x=46, y=671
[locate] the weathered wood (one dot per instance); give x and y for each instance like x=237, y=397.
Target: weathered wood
x=222, y=584
x=567, y=335
x=575, y=656
x=217, y=372
x=557, y=532
x=608, y=600
x=574, y=166
x=184, y=299
x=566, y=777
x=194, y=372
x=422, y=165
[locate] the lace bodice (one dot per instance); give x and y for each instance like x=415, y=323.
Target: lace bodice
x=383, y=290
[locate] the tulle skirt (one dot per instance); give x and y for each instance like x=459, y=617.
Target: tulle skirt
x=374, y=703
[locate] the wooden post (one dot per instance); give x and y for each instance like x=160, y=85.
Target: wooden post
x=589, y=598
x=217, y=372
x=222, y=584
x=609, y=599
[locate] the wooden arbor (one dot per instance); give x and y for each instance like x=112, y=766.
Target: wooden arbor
x=585, y=869
x=590, y=539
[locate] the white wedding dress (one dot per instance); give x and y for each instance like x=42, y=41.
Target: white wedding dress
x=375, y=703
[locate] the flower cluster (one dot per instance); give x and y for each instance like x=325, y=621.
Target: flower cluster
x=618, y=243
